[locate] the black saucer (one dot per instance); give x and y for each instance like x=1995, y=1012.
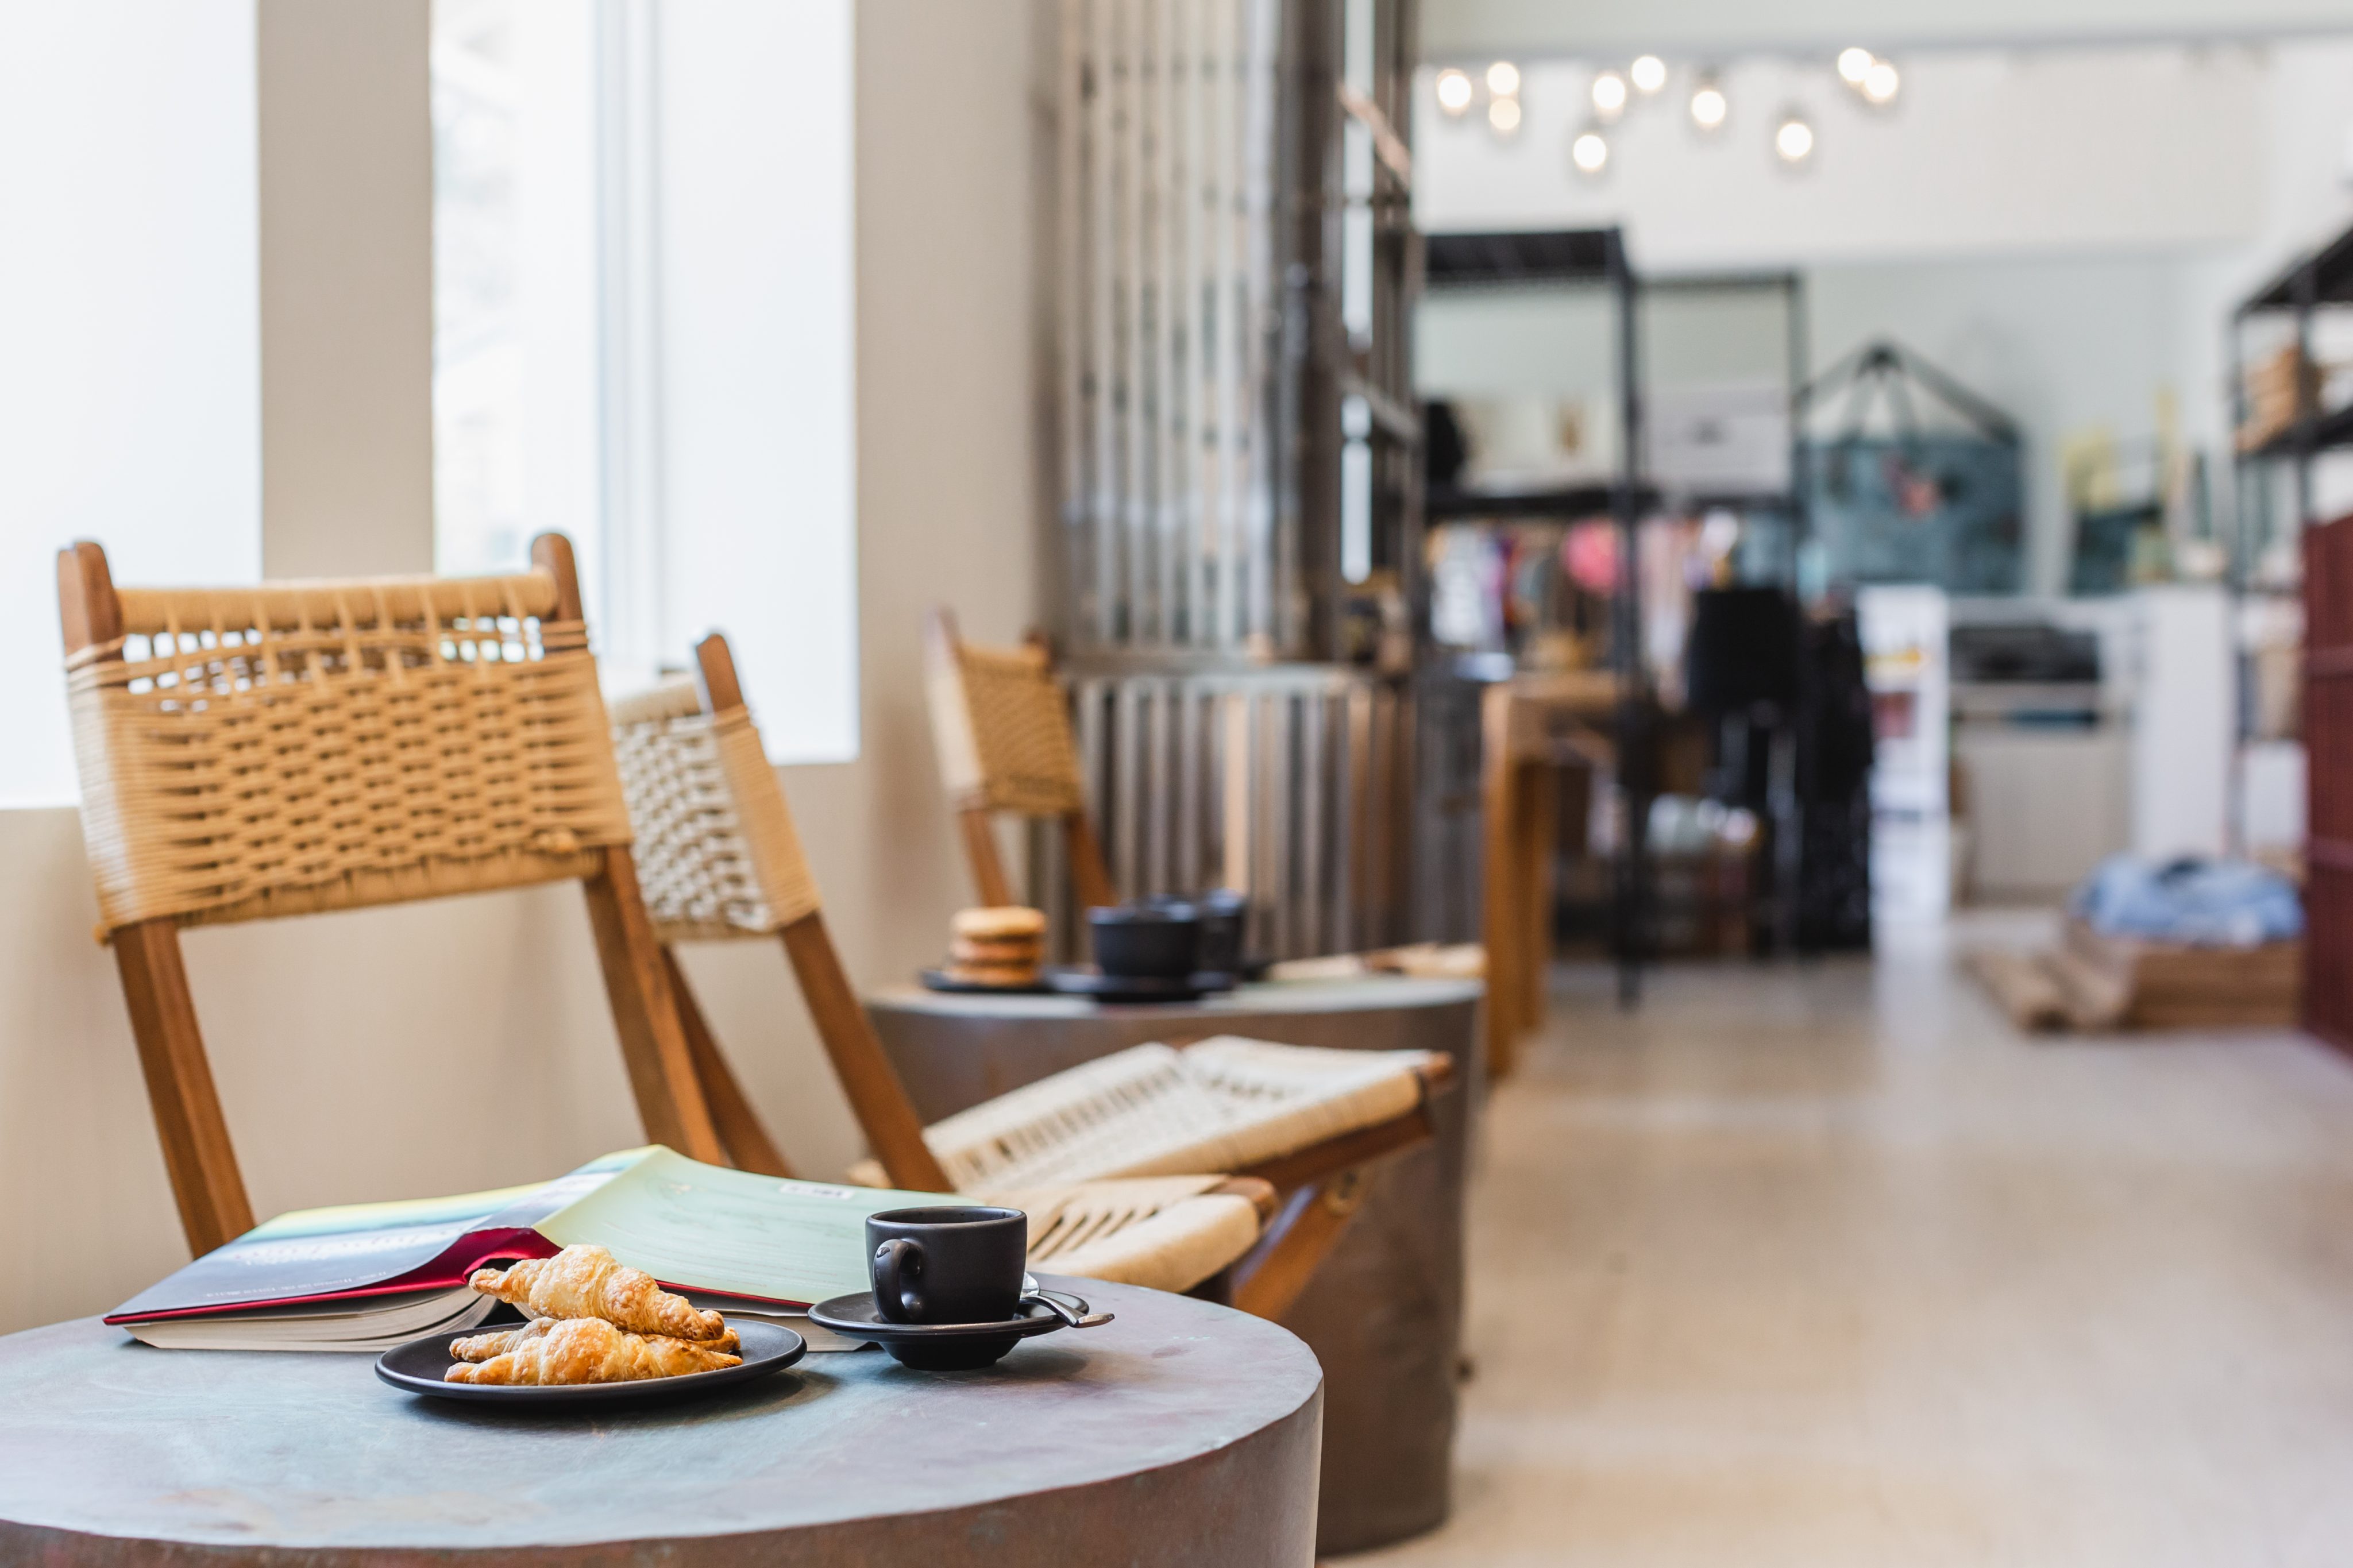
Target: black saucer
x=941, y=980
x=417, y=1366
x=1071, y=981
x=945, y=1347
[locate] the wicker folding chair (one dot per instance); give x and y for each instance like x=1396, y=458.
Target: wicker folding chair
x=297, y=747
x=1002, y=730
x=724, y=862
x=721, y=860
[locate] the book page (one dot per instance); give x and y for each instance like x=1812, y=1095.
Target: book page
x=698, y=1227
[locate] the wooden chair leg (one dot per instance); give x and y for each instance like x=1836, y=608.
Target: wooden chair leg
x=653, y=1043
x=1539, y=799
x=1499, y=915
x=196, y=1150
x=1090, y=877
x=988, y=866
x=748, y=1143
x=1269, y=1281
x=876, y=1096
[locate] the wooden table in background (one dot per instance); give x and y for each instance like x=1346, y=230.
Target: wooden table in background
x=1182, y=1436
x=1383, y=1312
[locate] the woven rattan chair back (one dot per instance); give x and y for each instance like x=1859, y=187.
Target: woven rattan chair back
x=1001, y=727
x=297, y=747
x=723, y=860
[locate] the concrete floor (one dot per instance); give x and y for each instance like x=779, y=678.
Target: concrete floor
x=1827, y=1266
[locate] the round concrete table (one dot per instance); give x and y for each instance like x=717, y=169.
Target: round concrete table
x=1183, y=1434
x=1384, y=1313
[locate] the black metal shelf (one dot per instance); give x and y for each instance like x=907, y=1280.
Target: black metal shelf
x=1453, y=503
x=2331, y=280
x=2326, y=431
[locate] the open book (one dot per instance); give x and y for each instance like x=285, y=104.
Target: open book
x=367, y=1276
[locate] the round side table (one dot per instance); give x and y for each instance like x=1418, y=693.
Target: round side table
x=1384, y=1313
x=1182, y=1435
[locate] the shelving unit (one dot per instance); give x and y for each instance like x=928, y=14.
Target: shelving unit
x=1583, y=258
x=2320, y=280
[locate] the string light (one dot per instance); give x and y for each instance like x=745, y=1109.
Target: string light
x=1589, y=151
x=1793, y=139
x=1853, y=64
x=1454, y=92
x=1503, y=116
x=1709, y=107
x=1609, y=95
x=1648, y=73
x=1881, y=83
x=1504, y=79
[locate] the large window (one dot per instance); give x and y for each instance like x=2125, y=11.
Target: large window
x=130, y=347
x=643, y=337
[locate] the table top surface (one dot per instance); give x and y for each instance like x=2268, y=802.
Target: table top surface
x=112, y=1437
x=1369, y=993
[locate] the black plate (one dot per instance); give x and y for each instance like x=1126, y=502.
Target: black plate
x=417, y=1366
x=941, y=980
x=1095, y=982
x=939, y=1347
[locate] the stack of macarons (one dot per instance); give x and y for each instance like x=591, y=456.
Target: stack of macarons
x=1005, y=945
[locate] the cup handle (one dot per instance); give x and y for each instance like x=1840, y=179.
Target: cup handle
x=897, y=1262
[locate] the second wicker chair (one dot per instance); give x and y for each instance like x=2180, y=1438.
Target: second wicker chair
x=722, y=858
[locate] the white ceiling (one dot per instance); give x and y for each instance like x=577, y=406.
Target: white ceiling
x=1524, y=30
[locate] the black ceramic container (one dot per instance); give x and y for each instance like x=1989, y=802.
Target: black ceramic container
x=1225, y=921
x=1161, y=941
x=953, y=1263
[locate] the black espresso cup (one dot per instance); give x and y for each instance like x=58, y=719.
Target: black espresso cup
x=953, y=1263
x=1149, y=942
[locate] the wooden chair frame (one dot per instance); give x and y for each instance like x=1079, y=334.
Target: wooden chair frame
x=197, y=1152
x=975, y=812
x=1319, y=1187
x=1529, y=728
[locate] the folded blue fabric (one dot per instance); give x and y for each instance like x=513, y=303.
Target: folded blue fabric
x=2204, y=903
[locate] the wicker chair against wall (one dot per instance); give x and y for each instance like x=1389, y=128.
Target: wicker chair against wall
x=297, y=747
x=723, y=862
x=1099, y=1149
x=1001, y=726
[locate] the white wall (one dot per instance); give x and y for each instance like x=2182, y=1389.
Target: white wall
x=440, y=1047
x=1481, y=29
x=1983, y=154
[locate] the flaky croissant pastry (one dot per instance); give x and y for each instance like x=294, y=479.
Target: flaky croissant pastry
x=482, y=1347
x=585, y=1282
x=589, y=1349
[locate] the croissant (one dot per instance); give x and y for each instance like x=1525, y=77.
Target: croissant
x=482, y=1347
x=589, y=1349
x=585, y=1282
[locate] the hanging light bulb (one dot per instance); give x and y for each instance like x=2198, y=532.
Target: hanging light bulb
x=1881, y=83
x=1454, y=92
x=1853, y=64
x=1504, y=79
x=1503, y=116
x=1793, y=138
x=1648, y=73
x=1590, y=152
x=1609, y=95
x=1709, y=107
